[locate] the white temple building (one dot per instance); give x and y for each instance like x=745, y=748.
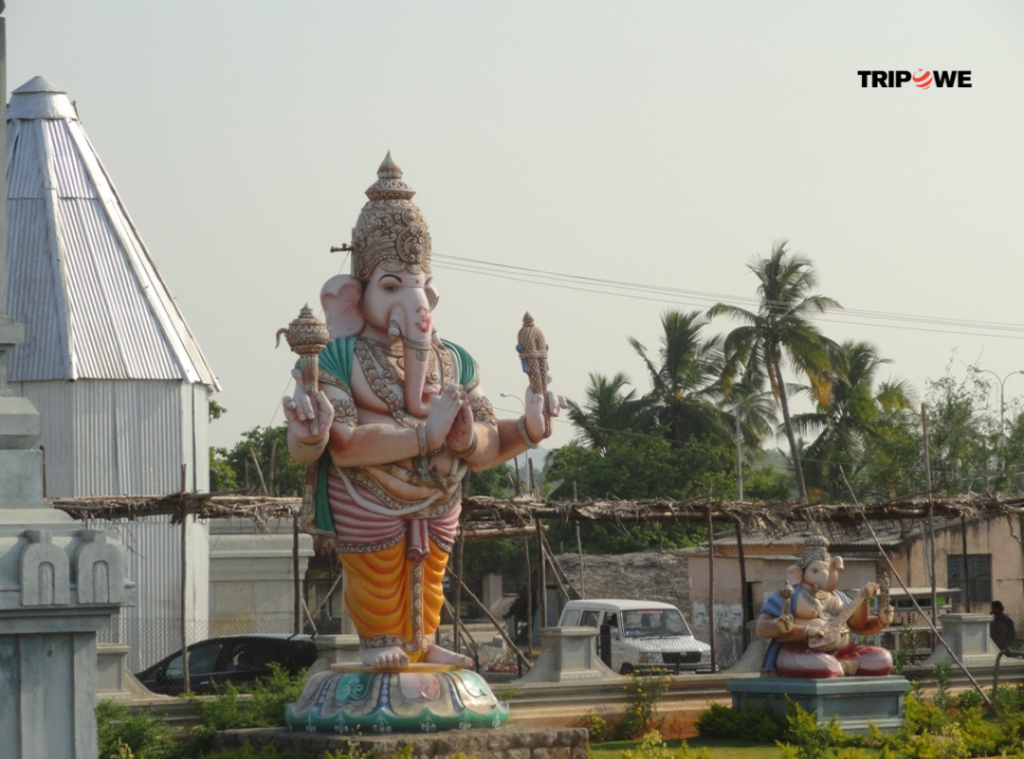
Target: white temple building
x=108, y=359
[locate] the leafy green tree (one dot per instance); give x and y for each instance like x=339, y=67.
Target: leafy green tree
x=779, y=331
x=608, y=409
x=215, y=410
x=1012, y=478
x=960, y=434
x=495, y=482
x=268, y=446
x=892, y=459
x=852, y=413
x=685, y=380
x=638, y=466
x=222, y=476
x=764, y=482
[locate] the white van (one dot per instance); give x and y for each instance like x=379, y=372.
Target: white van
x=638, y=636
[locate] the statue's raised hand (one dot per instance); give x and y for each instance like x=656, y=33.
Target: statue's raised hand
x=534, y=412
x=784, y=624
x=300, y=410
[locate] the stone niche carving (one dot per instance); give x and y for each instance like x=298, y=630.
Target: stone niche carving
x=45, y=573
x=99, y=569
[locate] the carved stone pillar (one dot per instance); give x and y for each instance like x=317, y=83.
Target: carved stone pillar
x=59, y=583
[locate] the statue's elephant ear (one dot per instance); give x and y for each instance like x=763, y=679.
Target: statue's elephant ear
x=342, y=299
x=794, y=575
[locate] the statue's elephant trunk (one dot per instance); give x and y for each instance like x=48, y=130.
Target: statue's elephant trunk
x=412, y=321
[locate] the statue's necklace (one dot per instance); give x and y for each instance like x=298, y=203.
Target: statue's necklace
x=382, y=375
x=383, y=370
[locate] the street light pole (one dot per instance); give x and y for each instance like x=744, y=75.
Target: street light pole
x=1002, y=403
x=515, y=459
x=739, y=452
x=739, y=440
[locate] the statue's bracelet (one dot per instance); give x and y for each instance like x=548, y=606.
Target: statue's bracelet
x=521, y=426
x=464, y=453
x=421, y=438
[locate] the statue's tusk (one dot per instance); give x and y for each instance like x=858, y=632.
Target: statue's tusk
x=394, y=330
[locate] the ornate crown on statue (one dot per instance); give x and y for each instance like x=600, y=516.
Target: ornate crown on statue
x=815, y=549
x=391, y=231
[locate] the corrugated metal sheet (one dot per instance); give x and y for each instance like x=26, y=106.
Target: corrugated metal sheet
x=24, y=179
x=152, y=627
x=113, y=317
x=139, y=434
x=35, y=296
x=98, y=307
x=109, y=437
x=72, y=181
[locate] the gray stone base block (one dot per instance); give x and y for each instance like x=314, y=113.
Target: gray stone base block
x=855, y=701
x=569, y=655
x=505, y=743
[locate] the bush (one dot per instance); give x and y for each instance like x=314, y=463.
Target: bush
x=248, y=752
x=597, y=728
x=226, y=711
x=757, y=722
x=141, y=735
x=969, y=699
x=921, y=717
x=643, y=693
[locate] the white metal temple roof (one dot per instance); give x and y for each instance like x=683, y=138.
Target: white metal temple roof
x=79, y=276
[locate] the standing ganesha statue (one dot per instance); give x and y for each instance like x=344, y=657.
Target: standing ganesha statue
x=810, y=621
x=399, y=418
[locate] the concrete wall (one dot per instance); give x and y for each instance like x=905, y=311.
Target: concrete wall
x=999, y=537
x=251, y=577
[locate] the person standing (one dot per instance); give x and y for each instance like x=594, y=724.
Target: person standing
x=1001, y=629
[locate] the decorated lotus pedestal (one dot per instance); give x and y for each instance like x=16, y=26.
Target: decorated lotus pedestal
x=419, y=698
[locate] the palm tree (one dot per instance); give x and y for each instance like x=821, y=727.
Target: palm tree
x=686, y=379
x=608, y=409
x=780, y=329
x=852, y=414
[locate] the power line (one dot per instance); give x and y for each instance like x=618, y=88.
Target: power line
x=703, y=299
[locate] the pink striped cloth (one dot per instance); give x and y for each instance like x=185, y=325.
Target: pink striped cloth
x=360, y=530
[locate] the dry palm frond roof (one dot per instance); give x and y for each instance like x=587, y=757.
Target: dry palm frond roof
x=499, y=517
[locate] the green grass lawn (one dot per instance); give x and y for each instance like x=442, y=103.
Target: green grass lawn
x=719, y=749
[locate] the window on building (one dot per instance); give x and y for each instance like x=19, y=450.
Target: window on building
x=979, y=575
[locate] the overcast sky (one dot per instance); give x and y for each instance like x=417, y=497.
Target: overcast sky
x=662, y=144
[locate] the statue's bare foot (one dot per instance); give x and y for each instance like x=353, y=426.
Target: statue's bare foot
x=438, y=655
x=850, y=666
x=388, y=657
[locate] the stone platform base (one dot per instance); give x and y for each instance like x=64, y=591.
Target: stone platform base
x=504, y=743
x=855, y=701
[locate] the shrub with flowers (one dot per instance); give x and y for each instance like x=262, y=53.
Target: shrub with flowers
x=643, y=694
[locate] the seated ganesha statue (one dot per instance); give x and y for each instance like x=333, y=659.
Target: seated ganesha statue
x=398, y=419
x=810, y=621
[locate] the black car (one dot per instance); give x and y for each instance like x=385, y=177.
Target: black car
x=236, y=659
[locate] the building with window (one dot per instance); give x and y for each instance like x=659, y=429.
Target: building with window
x=994, y=568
